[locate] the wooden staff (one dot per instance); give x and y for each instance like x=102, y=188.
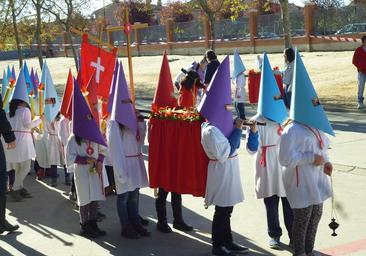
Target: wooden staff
x=31, y=99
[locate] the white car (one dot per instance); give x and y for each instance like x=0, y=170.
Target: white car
x=353, y=28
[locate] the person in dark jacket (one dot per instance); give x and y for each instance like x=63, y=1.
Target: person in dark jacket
x=9, y=138
x=212, y=65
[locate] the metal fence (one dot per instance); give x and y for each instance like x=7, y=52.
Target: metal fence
x=188, y=31
x=152, y=34
x=332, y=20
x=270, y=25
x=232, y=30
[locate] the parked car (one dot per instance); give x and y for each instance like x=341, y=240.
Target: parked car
x=353, y=28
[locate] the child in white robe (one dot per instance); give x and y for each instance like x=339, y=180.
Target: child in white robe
x=19, y=159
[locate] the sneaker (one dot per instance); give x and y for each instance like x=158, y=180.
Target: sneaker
x=8, y=227
x=274, y=243
x=222, y=251
x=360, y=105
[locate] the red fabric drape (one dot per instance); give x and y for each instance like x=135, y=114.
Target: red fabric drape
x=254, y=80
x=177, y=161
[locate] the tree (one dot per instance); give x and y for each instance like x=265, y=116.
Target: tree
x=38, y=4
x=328, y=14
x=286, y=23
x=211, y=9
x=177, y=11
x=65, y=12
x=138, y=12
x=16, y=10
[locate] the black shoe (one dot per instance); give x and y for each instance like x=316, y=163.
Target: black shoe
x=144, y=222
x=93, y=224
x=237, y=248
x=24, y=193
x=141, y=230
x=129, y=231
x=164, y=227
x=87, y=231
x=222, y=251
x=15, y=195
x=67, y=181
x=53, y=182
x=8, y=227
x=182, y=226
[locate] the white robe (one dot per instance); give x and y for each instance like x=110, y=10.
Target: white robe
x=309, y=185
x=125, y=154
x=40, y=144
x=64, y=132
x=268, y=179
x=239, y=83
x=54, y=146
x=22, y=124
x=89, y=185
x=223, y=187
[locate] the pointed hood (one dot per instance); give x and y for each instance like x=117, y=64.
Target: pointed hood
x=238, y=65
x=36, y=79
x=268, y=106
x=28, y=79
x=164, y=93
x=123, y=111
x=13, y=74
x=92, y=97
x=51, y=101
x=113, y=87
x=9, y=75
x=66, y=99
x=4, y=84
x=83, y=123
x=215, y=105
x=20, y=90
x=305, y=106
x=34, y=82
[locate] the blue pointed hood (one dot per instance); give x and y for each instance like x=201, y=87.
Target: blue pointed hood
x=28, y=80
x=4, y=84
x=268, y=106
x=20, y=90
x=51, y=100
x=238, y=65
x=305, y=105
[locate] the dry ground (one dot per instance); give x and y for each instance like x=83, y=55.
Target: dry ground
x=332, y=73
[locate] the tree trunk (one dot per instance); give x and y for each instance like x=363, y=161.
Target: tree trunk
x=211, y=19
x=38, y=34
x=286, y=23
x=69, y=37
x=16, y=33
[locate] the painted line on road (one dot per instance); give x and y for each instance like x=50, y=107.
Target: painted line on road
x=346, y=249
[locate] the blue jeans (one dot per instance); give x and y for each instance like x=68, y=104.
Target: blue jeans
x=287, y=96
x=273, y=222
x=361, y=86
x=240, y=110
x=127, y=207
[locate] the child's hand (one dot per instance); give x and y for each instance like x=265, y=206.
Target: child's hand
x=328, y=168
x=91, y=160
x=99, y=167
x=318, y=160
x=239, y=123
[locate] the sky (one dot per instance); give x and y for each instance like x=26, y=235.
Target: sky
x=96, y=4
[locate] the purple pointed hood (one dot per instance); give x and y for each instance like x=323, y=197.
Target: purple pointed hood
x=123, y=111
x=83, y=123
x=113, y=87
x=216, y=103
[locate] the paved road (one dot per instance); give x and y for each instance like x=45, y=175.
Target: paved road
x=49, y=224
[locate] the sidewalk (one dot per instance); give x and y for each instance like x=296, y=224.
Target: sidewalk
x=50, y=226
